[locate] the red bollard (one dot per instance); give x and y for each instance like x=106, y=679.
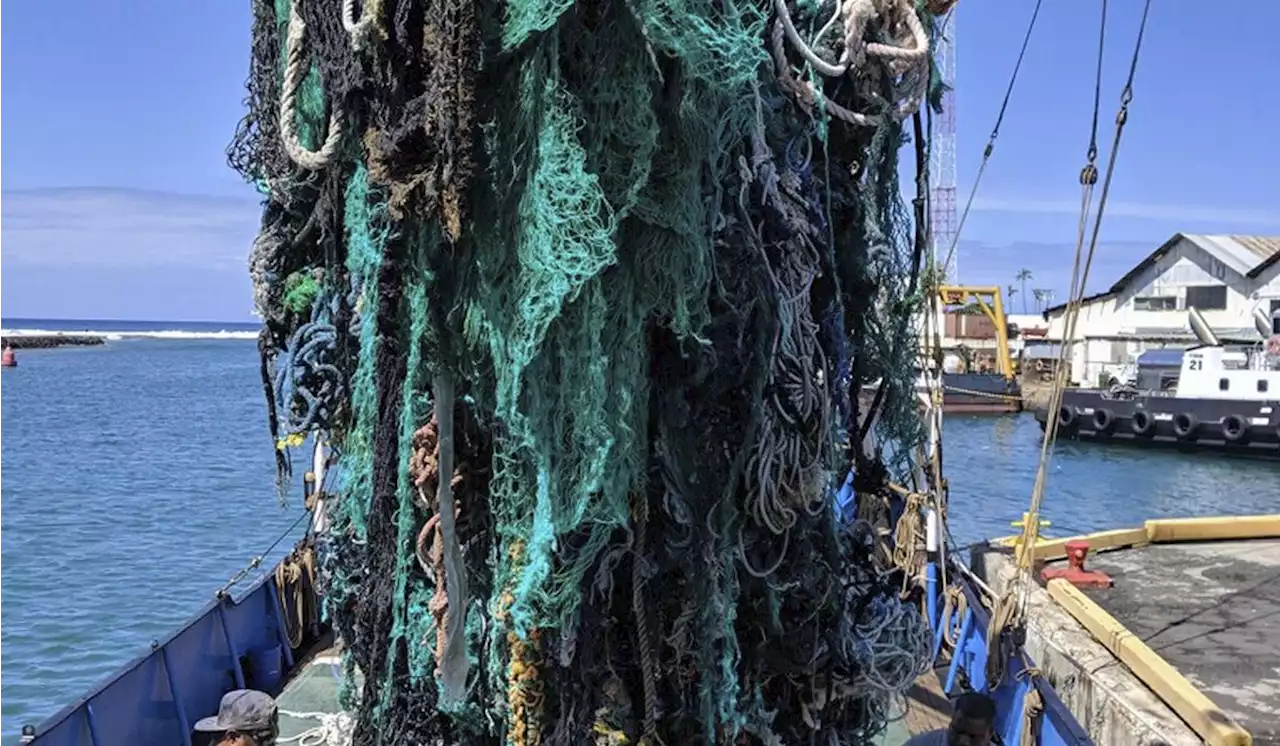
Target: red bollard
x=1074, y=573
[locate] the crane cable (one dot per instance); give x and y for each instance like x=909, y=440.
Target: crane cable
x=995, y=133
x=931, y=331
x=1088, y=176
x=1013, y=613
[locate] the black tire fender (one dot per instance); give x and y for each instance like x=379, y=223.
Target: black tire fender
x=1142, y=425
x=1235, y=429
x=1185, y=425
x=1103, y=420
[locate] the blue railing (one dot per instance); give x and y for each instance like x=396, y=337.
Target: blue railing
x=1056, y=725
x=157, y=697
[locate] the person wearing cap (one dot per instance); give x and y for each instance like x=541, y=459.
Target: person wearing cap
x=246, y=717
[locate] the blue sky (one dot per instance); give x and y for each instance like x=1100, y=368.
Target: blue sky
x=117, y=201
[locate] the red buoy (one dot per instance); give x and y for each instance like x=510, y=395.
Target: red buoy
x=7, y=358
x=1074, y=573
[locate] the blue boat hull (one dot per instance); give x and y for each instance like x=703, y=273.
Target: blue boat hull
x=157, y=697
x=1056, y=725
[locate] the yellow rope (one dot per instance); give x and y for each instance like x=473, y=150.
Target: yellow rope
x=1006, y=615
x=295, y=580
x=1032, y=709
x=907, y=536
x=525, y=695
x=954, y=603
x=987, y=394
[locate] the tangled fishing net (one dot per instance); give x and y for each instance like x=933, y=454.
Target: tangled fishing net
x=584, y=294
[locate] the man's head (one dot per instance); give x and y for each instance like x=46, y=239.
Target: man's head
x=246, y=717
x=973, y=721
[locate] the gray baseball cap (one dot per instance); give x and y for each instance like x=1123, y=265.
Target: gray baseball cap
x=241, y=710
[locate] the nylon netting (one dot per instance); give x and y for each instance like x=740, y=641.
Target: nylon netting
x=620, y=269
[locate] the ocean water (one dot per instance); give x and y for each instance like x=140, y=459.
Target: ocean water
x=137, y=477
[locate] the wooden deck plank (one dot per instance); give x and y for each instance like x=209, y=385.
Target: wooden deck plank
x=928, y=708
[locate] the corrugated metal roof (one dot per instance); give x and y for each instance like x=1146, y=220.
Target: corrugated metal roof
x=1245, y=254
x=1248, y=255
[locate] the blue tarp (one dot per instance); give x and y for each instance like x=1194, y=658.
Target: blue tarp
x=1164, y=358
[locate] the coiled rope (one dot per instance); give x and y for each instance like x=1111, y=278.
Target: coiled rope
x=1005, y=616
x=955, y=604
x=908, y=59
x=295, y=576
x=367, y=27
x=335, y=729
x=308, y=385
x=1032, y=709
x=296, y=69
x=906, y=538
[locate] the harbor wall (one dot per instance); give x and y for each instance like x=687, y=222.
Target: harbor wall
x=50, y=341
x=1110, y=702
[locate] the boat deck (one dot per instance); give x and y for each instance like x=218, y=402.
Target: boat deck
x=314, y=693
x=311, y=697
x=1212, y=611
x=928, y=707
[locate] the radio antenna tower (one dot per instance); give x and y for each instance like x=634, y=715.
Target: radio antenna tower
x=942, y=154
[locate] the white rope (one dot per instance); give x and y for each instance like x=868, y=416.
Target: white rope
x=295, y=70
x=908, y=59
x=363, y=28
x=335, y=729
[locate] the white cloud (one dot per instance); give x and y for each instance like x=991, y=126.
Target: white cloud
x=1179, y=213
x=115, y=228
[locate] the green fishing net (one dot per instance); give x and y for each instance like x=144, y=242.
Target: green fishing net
x=587, y=296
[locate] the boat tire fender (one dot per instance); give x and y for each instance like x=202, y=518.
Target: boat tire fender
x=1142, y=424
x=1185, y=425
x=1067, y=417
x=1103, y=420
x=1234, y=428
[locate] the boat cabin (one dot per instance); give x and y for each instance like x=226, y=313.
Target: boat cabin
x=1158, y=370
x=1220, y=373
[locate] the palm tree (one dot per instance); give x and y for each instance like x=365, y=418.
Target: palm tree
x=1038, y=294
x=1010, y=292
x=1023, y=275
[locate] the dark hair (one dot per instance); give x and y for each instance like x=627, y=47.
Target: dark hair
x=976, y=706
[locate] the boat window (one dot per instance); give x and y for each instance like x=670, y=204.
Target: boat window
x=1223, y=384
x=1262, y=385
x=1207, y=297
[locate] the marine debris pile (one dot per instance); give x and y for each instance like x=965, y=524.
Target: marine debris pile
x=619, y=269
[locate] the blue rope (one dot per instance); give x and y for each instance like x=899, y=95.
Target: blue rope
x=308, y=384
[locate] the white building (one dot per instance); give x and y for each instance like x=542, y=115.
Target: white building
x=1224, y=277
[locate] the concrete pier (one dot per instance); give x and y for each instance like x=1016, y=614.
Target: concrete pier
x=1211, y=610
x=1107, y=699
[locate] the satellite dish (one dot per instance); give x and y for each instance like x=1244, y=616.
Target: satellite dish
x=1201, y=328
x=1261, y=322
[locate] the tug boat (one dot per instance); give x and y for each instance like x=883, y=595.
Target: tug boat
x=1209, y=397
